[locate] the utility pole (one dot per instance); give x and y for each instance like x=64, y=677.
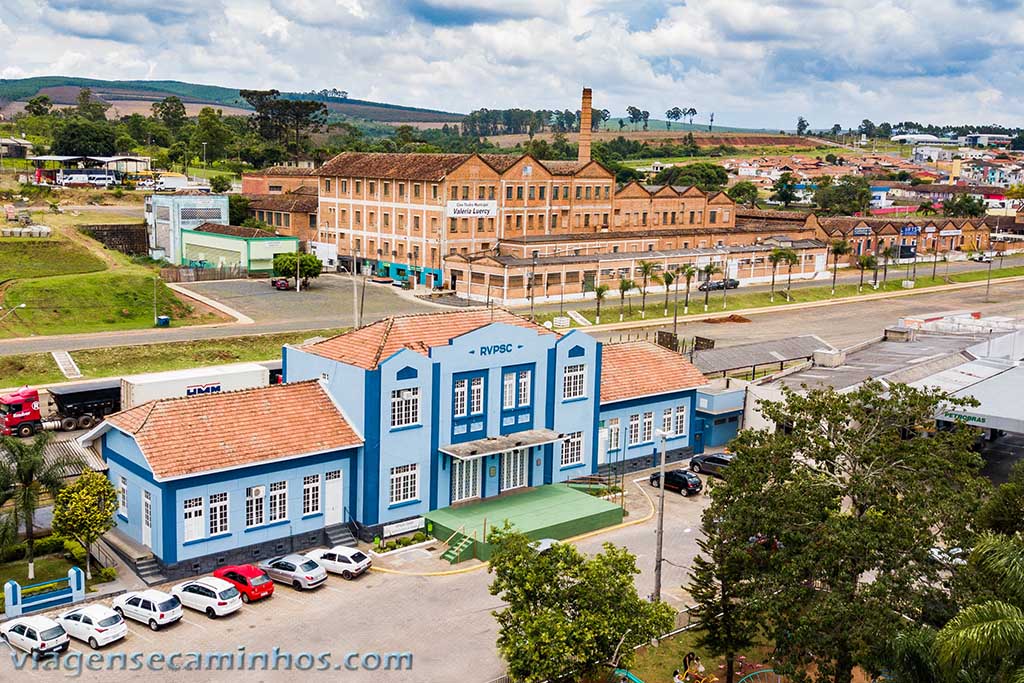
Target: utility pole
x=988, y=284
x=656, y=597
x=204, y=157
x=156, y=279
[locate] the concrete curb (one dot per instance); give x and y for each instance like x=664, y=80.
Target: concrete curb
x=571, y=539
x=240, y=318
x=697, y=317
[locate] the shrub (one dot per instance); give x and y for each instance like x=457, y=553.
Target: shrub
x=75, y=552
x=50, y=544
x=104, y=574
x=419, y=537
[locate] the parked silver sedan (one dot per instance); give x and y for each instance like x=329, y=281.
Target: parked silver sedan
x=298, y=571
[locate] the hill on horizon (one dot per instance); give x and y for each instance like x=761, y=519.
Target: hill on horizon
x=64, y=89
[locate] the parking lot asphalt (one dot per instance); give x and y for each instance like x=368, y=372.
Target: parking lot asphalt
x=444, y=622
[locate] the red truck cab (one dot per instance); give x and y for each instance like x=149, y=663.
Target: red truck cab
x=19, y=413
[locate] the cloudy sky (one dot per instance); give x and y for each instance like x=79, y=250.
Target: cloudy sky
x=758, y=63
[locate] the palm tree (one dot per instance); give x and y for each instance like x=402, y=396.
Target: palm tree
x=625, y=284
x=709, y=271
x=775, y=258
x=991, y=631
x=687, y=272
x=792, y=258
x=667, y=278
x=648, y=272
x=934, y=251
x=887, y=253
x=839, y=248
x=926, y=209
x=28, y=476
x=865, y=262
x=599, y=293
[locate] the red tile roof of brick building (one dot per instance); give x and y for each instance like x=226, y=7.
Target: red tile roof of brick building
x=635, y=369
x=185, y=436
x=368, y=346
x=290, y=202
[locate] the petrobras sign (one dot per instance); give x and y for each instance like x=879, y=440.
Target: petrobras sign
x=201, y=389
x=910, y=230
x=472, y=208
x=950, y=233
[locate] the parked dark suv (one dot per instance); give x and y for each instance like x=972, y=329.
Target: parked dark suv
x=680, y=480
x=716, y=285
x=711, y=463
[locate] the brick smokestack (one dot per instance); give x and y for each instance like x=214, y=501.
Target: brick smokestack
x=584, y=154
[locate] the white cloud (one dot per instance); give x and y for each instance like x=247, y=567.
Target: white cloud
x=752, y=62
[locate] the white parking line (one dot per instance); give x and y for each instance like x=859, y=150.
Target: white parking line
x=139, y=634
x=192, y=623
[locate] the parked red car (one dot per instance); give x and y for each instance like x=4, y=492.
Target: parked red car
x=251, y=581
x=281, y=283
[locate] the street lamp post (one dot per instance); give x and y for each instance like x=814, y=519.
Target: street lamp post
x=4, y=316
x=204, y=157
x=656, y=597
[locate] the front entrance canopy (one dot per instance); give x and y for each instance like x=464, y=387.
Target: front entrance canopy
x=1001, y=399
x=500, y=444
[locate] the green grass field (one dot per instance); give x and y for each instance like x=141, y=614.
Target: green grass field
x=39, y=368
x=740, y=153
x=28, y=257
x=738, y=300
x=655, y=664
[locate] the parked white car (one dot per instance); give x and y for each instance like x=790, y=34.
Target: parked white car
x=97, y=625
x=36, y=635
x=215, y=597
x=341, y=559
x=152, y=607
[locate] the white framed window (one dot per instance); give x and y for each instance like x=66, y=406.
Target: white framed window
x=218, y=513
x=614, y=435
x=666, y=421
x=680, y=420
x=476, y=396
x=278, y=501
x=122, y=497
x=405, y=407
x=459, y=399
x=254, y=506
x=634, y=430
x=574, y=381
x=524, y=388
x=405, y=483
x=192, y=512
x=508, y=390
x=648, y=434
x=311, y=494
x=572, y=449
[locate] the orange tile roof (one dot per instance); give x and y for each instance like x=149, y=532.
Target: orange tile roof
x=640, y=368
x=368, y=346
x=186, y=436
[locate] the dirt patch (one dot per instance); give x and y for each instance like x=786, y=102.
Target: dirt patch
x=675, y=137
x=201, y=310
x=726, y=319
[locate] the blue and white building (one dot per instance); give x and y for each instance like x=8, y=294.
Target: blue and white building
x=376, y=427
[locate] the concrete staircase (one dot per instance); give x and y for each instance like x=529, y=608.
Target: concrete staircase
x=137, y=557
x=148, y=570
x=340, y=534
x=460, y=548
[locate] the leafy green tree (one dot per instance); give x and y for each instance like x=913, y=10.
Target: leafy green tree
x=220, y=184
x=991, y=631
x=784, y=189
x=802, y=126
x=238, y=208
x=210, y=129
x=865, y=262
x=625, y=285
x=90, y=108
x=838, y=248
x=40, y=105
x=171, y=112
x=673, y=114
x=124, y=144
x=846, y=196
x=716, y=584
x=709, y=272
x=837, y=529
x=81, y=137
x=836, y=130
x=309, y=265
x=964, y=206
x=888, y=254
x=867, y=127
x=600, y=293
x=30, y=476
x=705, y=176
x=84, y=510
x=743, y=192
x=648, y=274
x=1003, y=511
x=566, y=614
x=687, y=272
